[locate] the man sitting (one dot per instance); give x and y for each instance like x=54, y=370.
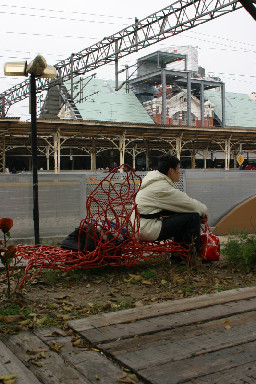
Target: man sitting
x=166, y=212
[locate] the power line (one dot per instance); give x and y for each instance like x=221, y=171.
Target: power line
x=49, y=35
x=222, y=38
x=235, y=49
x=63, y=18
x=141, y=34
x=61, y=11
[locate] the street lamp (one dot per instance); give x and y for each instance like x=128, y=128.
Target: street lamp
x=37, y=68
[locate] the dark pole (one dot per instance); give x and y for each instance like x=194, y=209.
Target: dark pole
x=250, y=7
x=34, y=156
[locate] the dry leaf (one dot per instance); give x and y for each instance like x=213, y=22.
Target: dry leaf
x=8, y=377
x=10, y=381
x=135, y=277
x=228, y=326
x=55, y=347
x=25, y=322
x=66, y=308
x=77, y=342
x=42, y=320
x=133, y=377
x=146, y=282
x=11, y=318
x=32, y=314
x=36, y=363
x=31, y=352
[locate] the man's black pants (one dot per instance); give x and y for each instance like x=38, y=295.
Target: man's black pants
x=182, y=227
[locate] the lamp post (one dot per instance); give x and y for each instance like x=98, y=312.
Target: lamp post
x=37, y=68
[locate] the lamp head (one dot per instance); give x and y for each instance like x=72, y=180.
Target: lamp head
x=37, y=67
x=18, y=68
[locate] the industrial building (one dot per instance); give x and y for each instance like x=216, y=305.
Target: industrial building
x=170, y=93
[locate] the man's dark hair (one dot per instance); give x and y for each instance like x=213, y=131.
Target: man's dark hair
x=165, y=162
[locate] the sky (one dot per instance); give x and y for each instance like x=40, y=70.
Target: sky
x=226, y=46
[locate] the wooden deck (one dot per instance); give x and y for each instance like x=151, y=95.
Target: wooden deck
x=205, y=339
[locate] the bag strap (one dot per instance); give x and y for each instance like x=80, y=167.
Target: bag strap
x=206, y=228
x=156, y=215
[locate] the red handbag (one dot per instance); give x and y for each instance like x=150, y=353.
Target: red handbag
x=210, y=244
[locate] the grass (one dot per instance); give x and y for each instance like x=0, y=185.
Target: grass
x=241, y=252
x=13, y=310
x=148, y=274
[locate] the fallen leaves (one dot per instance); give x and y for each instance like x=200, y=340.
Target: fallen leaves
x=77, y=342
x=127, y=377
x=52, y=303
x=8, y=379
x=55, y=347
x=227, y=326
x=11, y=318
x=37, y=363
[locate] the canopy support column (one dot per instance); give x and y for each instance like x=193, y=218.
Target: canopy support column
x=3, y=153
x=189, y=119
x=47, y=154
x=227, y=154
x=134, y=157
x=147, y=156
x=122, y=149
x=56, y=148
x=163, y=80
x=178, y=147
x=205, y=153
x=93, y=156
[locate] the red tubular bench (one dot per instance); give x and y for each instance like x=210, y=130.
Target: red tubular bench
x=113, y=220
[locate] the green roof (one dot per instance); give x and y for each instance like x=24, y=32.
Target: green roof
x=102, y=102
x=240, y=108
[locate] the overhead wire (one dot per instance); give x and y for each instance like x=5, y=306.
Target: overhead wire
x=245, y=50
x=62, y=11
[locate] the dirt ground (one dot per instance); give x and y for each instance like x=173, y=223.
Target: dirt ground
x=53, y=298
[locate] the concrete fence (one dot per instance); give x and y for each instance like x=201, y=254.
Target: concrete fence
x=62, y=197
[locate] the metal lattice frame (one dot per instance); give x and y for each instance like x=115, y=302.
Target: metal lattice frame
x=178, y=17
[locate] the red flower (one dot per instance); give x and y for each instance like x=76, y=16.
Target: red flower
x=6, y=224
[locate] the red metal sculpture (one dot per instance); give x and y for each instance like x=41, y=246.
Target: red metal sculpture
x=112, y=223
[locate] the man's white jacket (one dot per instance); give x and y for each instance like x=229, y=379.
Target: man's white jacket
x=157, y=193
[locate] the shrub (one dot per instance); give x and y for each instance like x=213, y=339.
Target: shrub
x=241, y=252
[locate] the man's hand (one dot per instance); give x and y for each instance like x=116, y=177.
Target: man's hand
x=204, y=218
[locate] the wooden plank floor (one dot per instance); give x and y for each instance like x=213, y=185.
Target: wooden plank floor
x=205, y=339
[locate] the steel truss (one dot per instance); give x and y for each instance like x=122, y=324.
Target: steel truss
x=178, y=17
